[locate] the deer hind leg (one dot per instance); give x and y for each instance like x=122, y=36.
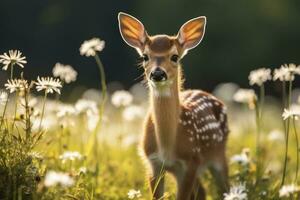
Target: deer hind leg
x=219, y=171
x=156, y=178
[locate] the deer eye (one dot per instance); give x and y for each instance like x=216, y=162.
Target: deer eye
x=174, y=58
x=145, y=57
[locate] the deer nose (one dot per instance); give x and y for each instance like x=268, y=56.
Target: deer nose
x=158, y=75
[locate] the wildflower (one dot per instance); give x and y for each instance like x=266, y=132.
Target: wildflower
x=64, y=72
x=245, y=96
x=283, y=74
x=134, y=194
x=86, y=106
x=293, y=112
x=288, y=190
x=90, y=47
x=133, y=112
x=16, y=85
x=49, y=84
x=92, y=120
x=65, y=110
x=70, y=155
x=293, y=69
x=130, y=140
x=3, y=97
x=259, y=76
x=242, y=158
x=92, y=94
x=237, y=192
x=121, y=98
x=54, y=178
x=13, y=57
x=82, y=170
x=276, y=135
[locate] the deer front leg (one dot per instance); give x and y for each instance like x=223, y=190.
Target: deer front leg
x=198, y=192
x=186, y=182
x=157, y=179
x=219, y=171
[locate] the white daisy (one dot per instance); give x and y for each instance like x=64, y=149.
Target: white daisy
x=82, y=170
x=130, y=140
x=92, y=121
x=133, y=112
x=237, y=192
x=276, y=135
x=53, y=178
x=294, y=69
x=259, y=76
x=288, y=190
x=293, y=112
x=121, y=98
x=70, y=155
x=90, y=47
x=242, y=158
x=65, y=110
x=132, y=194
x=49, y=84
x=244, y=96
x=14, y=57
x=283, y=74
x=84, y=106
x=14, y=85
x=64, y=72
x=3, y=97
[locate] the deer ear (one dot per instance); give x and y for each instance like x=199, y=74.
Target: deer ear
x=191, y=33
x=132, y=31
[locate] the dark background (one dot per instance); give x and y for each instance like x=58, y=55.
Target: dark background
x=241, y=35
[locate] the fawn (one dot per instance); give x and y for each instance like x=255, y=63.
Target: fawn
x=184, y=131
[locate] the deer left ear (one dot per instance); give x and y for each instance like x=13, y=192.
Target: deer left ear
x=191, y=33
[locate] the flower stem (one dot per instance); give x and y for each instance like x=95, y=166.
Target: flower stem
x=103, y=85
x=297, y=148
x=11, y=71
x=101, y=111
x=104, y=93
x=287, y=130
x=43, y=111
x=16, y=108
x=258, y=113
x=284, y=94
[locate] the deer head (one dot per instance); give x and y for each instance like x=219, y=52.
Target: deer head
x=161, y=53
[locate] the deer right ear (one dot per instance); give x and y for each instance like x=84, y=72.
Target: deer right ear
x=132, y=31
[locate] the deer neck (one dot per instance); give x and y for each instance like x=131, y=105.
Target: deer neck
x=165, y=107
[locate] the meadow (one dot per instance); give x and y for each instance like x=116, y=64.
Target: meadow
x=89, y=148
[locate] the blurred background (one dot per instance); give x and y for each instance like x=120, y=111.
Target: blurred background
x=240, y=36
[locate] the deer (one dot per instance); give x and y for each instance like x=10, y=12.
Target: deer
x=185, y=131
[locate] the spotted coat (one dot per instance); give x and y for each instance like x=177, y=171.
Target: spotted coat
x=202, y=128
x=203, y=120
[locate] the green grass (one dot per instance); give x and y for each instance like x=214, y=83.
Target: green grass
x=110, y=165
x=121, y=168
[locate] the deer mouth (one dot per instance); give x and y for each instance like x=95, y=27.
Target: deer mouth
x=161, y=84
